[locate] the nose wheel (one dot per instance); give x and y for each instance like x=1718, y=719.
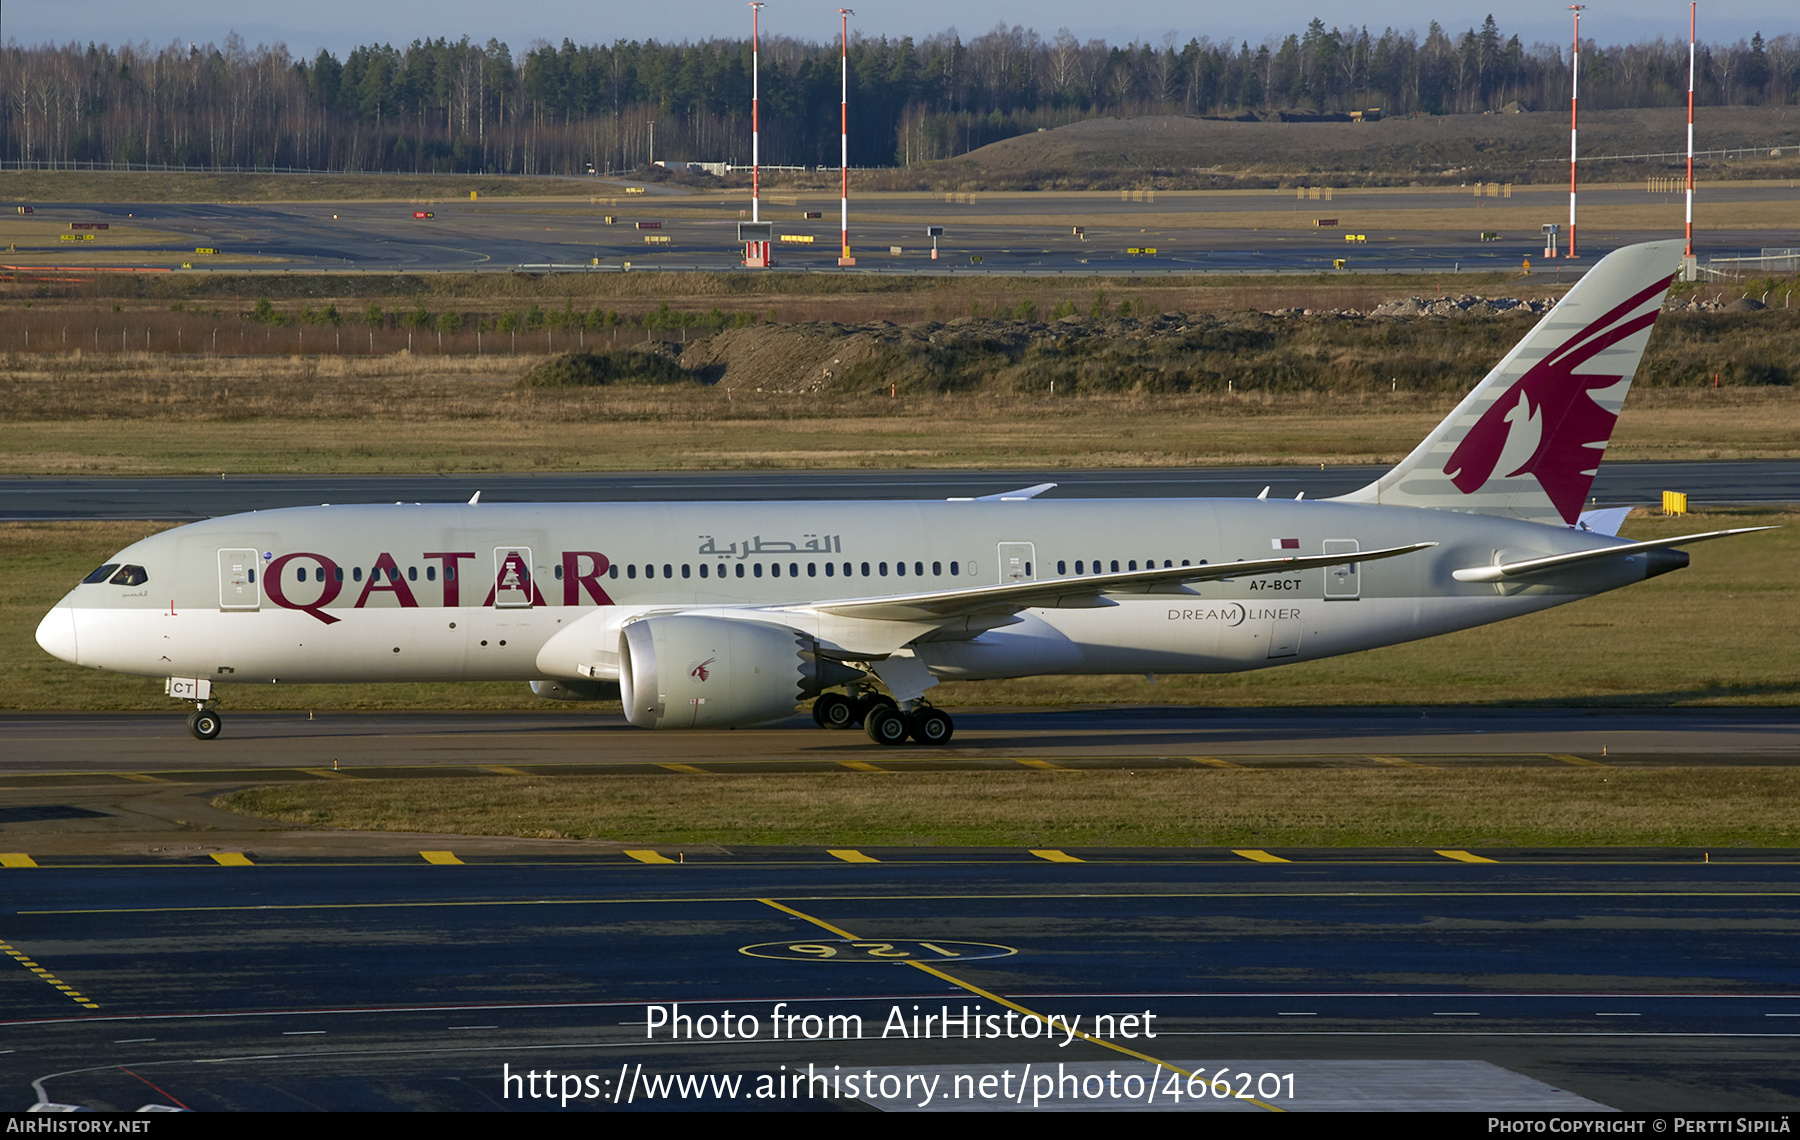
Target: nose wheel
x=205, y=724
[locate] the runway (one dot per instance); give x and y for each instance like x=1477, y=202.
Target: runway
x=183, y=498
x=1407, y=981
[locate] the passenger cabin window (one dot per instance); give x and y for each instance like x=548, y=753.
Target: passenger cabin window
x=101, y=574
x=130, y=576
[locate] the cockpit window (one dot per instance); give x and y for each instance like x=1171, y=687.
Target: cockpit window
x=130, y=576
x=101, y=574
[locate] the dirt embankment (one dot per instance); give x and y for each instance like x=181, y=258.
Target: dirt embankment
x=1415, y=344
x=1182, y=152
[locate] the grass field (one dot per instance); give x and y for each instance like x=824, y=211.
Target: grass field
x=443, y=426
x=1487, y=808
x=1718, y=633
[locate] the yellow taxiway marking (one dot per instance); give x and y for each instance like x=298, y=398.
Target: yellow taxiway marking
x=850, y=856
x=1214, y=762
x=51, y=979
x=1013, y=1005
x=688, y=768
x=649, y=857
x=1044, y=764
x=1056, y=856
x=1256, y=856
x=329, y=774
x=503, y=770
x=861, y=766
x=1398, y=762
x=442, y=858
x=141, y=777
x=231, y=859
x=1465, y=857
x=1576, y=760
x=17, y=859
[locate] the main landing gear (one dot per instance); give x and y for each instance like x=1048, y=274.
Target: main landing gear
x=886, y=722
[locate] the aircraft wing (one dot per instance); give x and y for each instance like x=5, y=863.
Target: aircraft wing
x=1070, y=593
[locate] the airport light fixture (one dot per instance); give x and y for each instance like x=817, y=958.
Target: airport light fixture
x=1574, y=96
x=844, y=257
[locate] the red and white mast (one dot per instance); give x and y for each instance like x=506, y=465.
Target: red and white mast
x=844, y=257
x=1690, y=156
x=1574, y=96
x=756, y=253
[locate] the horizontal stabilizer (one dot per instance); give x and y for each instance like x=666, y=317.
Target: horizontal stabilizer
x=1507, y=571
x=1007, y=496
x=1087, y=591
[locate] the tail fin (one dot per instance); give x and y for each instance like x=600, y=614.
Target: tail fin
x=1527, y=441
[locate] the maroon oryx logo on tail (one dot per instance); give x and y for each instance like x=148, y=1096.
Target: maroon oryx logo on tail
x=1547, y=423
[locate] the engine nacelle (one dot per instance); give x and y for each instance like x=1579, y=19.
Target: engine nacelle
x=691, y=671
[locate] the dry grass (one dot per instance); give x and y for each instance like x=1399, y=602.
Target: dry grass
x=409, y=414
x=1482, y=808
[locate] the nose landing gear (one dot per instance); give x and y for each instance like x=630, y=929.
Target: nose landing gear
x=205, y=723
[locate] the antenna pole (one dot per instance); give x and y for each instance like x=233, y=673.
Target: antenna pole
x=756, y=253
x=1690, y=154
x=1574, y=98
x=844, y=257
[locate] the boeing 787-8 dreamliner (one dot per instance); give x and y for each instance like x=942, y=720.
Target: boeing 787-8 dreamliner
x=701, y=615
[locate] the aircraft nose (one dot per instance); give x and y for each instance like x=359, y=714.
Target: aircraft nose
x=56, y=633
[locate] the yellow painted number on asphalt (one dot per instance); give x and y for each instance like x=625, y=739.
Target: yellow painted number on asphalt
x=859, y=950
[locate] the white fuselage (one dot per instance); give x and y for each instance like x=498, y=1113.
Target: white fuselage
x=413, y=592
